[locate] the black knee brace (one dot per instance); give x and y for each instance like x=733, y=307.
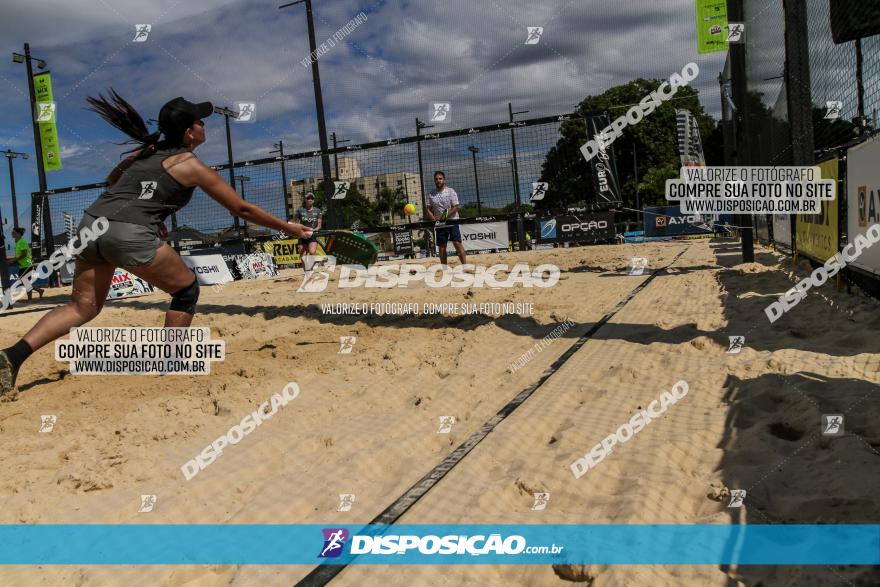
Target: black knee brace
x=185, y=299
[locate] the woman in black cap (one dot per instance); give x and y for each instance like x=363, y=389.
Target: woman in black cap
x=158, y=178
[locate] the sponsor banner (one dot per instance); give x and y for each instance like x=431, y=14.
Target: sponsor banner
x=604, y=169
x=638, y=236
x=124, y=284
x=585, y=228
x=254, y=265
x=209, y=269
x=669, y=221
x=285, y=252
x=782, y=229
x=817, y=234
x=402, y=241
x=42, y=241
x=469, y=544
x=863, y=199
x=46, y=121
x=482, y=237
x=711, y=19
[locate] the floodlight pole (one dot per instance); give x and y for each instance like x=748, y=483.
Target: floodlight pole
x=38, y=143
x=46, y=237
x=520, y=231
x=329, y=188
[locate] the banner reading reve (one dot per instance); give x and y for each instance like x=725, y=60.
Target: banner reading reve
x=284, y=251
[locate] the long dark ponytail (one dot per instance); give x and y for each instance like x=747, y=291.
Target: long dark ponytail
x=123, y=116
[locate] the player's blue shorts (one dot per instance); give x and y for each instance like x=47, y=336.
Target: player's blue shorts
x=444, y=235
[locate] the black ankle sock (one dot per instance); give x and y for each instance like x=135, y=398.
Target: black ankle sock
x=18, y=353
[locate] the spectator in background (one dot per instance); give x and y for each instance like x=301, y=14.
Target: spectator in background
x=311, y=216
x=22, y=259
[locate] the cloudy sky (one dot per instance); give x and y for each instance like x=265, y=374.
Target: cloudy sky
x=382, y=76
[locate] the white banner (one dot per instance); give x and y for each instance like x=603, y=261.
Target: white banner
x=210, y=269
x=863, y=199
x=124, y=284
x=782, y=229
x=482, y=237
x=256, y=264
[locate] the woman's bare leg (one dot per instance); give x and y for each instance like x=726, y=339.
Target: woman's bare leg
x=90, y=287
x=170, y=274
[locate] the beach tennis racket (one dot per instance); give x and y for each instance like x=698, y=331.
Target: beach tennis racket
x=349, y=248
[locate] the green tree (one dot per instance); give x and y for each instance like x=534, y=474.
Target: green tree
x=356, y=209
x=654, y=140
x=389, y=201
x=652, y=185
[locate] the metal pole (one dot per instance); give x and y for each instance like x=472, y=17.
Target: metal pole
x=636, y=174
x=235, y=222
x=241, y=181
x=477, y=182
x=738, y=75
x=283, y=172
x=46, y=236
x=4, y=267
x=860, y=87
x=38, y=143
x=520, y=233
x=429, y=246
x=335, y=158
x=12, y=188
x=319, y=107
x=421, y=171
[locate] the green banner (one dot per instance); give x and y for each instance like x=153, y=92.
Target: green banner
x=46, y=112
x=711, y=25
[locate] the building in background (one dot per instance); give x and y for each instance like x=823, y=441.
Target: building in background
x=404, y=183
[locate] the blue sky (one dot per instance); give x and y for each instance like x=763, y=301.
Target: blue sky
x=375, y=82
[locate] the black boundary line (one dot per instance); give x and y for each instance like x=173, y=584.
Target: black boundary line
x=323, y=574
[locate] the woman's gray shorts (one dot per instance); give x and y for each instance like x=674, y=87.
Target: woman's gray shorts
x=123, y=245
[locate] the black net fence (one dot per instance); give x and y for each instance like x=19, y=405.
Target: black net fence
x=769, y=130
x=493, y=169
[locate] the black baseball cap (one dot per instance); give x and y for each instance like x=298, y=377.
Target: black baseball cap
x=178, y=114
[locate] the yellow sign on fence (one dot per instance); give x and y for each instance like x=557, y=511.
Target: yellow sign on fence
x=817, y=234
x=284, y=251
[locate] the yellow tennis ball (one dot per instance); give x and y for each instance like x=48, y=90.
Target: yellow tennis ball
x=410, y=209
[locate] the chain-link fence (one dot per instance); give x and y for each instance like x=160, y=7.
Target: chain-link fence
x=492, y=168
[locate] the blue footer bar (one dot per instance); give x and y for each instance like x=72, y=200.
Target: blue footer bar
x=167, y=544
